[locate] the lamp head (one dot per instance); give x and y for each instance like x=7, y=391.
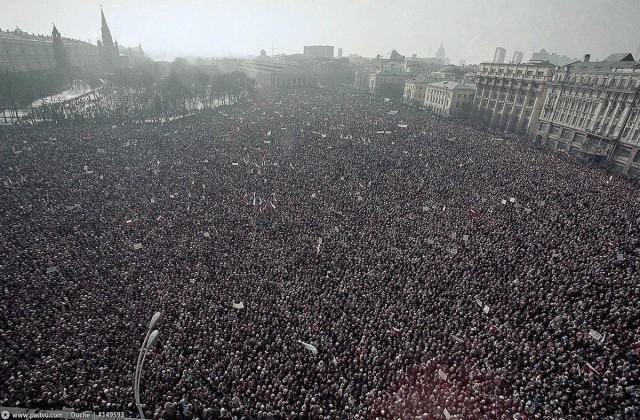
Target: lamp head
x=154, y=319
x=152, y=339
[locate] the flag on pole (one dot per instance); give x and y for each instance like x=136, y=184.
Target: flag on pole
x=137, y=246
x=309, y=347
x=238, y=305
x=442, y=374
x=54, y=269
x=446, y=414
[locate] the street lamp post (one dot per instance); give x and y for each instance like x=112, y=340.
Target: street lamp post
x=149, y=339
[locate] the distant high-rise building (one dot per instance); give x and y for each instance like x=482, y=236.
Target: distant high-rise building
x=339, y=52
x=498, y=56
x=462, y=62
x=318, y=51
x=517, y=57
x=396, y=56
x=440, y=53
x=553, y=58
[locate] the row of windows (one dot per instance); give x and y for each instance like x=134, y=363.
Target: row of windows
x=602, y=81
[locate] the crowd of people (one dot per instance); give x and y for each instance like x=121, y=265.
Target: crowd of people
x=390, y=265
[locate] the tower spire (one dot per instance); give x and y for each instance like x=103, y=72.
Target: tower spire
x=106, y=32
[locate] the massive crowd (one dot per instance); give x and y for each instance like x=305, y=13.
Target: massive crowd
x=438, y=269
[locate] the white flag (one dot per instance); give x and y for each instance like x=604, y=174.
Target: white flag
x=268, y=133
x=465, y=238
x=234, y=163
x=446, y=414
x=503, y=201
x=442, y=375
x=238, y=305
x=485, y=309
x=309, y=347
x=512, y=199
x=206, y=234
x=54, y=269
x=137, y=246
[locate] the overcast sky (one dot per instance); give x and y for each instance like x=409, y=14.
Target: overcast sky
x=469, y=29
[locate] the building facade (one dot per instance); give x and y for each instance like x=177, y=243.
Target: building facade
x=21, y=52
x=414, y=90
x=388, y=84
x=278, y=75
x=449, y=99
x=592, y=110
x=510, y=96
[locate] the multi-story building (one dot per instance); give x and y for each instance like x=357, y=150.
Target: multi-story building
x=414, y=90
x=318, y=51
x=278, y=75
x=498, y=56
x=383, y=83
x=517, y=57
x=553, y=58
x=449, y=99
x=510, y=96
x=362, y=80
x=592, y=110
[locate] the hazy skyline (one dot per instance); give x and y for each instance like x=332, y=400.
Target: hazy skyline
x=469, y=29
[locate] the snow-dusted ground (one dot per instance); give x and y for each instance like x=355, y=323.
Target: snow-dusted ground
x=60, y=97
x=63, y=96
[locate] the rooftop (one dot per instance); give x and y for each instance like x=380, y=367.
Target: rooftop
x=18, y=35
x=453, y=85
